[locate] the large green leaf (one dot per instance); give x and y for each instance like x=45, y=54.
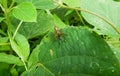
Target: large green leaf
x=40, y=4
x=11, y=59
x=25, y=12
x=78, y=52
x=21, y=46
x=107, y=9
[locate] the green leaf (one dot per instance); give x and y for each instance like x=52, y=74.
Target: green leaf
x=11, y=59
x=109, y=10
x=115, y=46
x=72, y=3
x=40, y=4
x=14, y=72
x=78, y=52
x=117, y=0
x=3, y=39
x=1, y=19
x=4, y=45
x=4, y=4
x=2, y=32
x=21, y=46
x=116, y=51
x=58, y=22
x=45, y=22
x=33, y=59
x=43, y=4
x=4, y=69
x=114, y=42
x=25, y=12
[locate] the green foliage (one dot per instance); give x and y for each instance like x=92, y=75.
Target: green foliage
x=44, y=23
x=1, y=18
x=25, y=12
x=108, y=10
x=3, y=47
x=10, y=59
x=39, y=4
x=59, y=38
x=117, y=0
x=20, y=46
x=4, y=69
x=75, y=54
x=72, y=3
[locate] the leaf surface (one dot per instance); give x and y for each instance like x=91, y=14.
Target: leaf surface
x=40, y=4
x=25, y=12
x=77, y=52
x=21, y=46
x=72, y=3
x=45, y=22
x=3, y=41
x=11, y=59
x=107, y=9
x=1, y=19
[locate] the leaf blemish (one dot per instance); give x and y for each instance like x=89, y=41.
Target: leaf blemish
x=51, y=52
x=94, y=65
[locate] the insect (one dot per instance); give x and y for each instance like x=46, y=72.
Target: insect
x=58, y=33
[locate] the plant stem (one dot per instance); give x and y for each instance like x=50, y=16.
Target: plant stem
x=24, y=64
x=17, y=29
x=80, y=17
x=104, y=19
x=7, y=17
x=2, y=8
x=11, y=4
x=8, y=23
